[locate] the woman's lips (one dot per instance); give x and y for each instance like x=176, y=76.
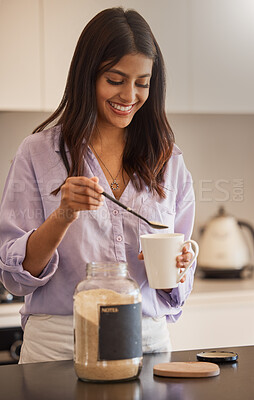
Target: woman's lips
x=121, y=109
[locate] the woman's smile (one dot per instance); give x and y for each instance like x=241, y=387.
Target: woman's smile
x=121, y=109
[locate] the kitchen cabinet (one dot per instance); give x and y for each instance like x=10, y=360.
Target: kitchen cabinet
x=9, y=315
x=20, y=48
x=167, y=26
x=222, y=56
x=207, y=48
x=11, y=334
x=64, y=21
x=217, y=313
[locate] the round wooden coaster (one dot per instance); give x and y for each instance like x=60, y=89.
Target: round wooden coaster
x=192, y=369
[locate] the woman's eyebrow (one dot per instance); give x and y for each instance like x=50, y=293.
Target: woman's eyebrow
x=116, y=71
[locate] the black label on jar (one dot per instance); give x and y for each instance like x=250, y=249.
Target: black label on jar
x=120, y=332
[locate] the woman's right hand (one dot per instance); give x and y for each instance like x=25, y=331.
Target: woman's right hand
x=79, y=193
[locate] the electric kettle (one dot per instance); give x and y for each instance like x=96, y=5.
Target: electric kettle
x=224, y=251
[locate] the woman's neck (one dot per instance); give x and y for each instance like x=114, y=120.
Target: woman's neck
x=107, y=139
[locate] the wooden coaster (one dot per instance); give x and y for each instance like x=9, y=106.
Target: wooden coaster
x=193, y=369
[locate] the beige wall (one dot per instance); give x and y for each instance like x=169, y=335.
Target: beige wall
x=218, y=150
x=14, y=127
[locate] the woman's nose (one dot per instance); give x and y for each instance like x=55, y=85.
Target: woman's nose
x=128, y=93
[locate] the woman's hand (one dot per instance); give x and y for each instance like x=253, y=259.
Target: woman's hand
x=183, y=260
x=79, y=193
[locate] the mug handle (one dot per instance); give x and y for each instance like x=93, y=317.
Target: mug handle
x=196, y=250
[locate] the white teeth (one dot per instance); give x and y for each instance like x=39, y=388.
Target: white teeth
x=120, y=108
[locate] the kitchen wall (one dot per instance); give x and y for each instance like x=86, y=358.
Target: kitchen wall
x=14, y=127
x=218, y=150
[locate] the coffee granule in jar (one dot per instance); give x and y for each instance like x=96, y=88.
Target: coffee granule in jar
x=86, y=317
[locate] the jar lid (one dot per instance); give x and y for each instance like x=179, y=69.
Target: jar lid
x=217, y=356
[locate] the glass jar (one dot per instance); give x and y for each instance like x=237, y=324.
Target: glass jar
x=107, y=324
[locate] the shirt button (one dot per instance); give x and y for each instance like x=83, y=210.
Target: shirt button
x=119, y=238
x=115, y=212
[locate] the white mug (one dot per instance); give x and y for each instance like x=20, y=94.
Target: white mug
x=160, y=252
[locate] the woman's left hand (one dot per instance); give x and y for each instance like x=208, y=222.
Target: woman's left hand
x=183, y=260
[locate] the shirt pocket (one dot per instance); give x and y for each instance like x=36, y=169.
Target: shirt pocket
x=162, y=211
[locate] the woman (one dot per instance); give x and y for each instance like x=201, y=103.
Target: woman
x=109, y=133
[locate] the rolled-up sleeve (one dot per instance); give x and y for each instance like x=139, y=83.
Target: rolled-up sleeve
x=21, y=212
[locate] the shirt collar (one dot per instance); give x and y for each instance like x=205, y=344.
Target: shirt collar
x=176, y=151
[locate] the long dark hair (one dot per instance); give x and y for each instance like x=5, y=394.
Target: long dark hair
x=109, y=36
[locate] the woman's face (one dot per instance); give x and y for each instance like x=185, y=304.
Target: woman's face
x=122, y=90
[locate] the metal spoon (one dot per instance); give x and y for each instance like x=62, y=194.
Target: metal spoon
x=154, y=224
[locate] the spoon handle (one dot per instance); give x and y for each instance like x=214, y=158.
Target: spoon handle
x=125, y=207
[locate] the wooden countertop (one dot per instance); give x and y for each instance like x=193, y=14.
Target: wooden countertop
x=57, y=380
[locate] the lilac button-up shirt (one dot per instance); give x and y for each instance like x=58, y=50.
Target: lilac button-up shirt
x=107, y=234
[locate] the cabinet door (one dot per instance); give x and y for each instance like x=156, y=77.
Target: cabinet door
x=215, y=320
x=207, y=46
x=20, y=71
x=64, y=21
x=222, y=56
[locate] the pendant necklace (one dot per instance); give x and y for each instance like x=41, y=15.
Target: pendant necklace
x=114, y=185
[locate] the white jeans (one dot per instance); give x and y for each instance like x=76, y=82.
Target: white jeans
x=50, y=338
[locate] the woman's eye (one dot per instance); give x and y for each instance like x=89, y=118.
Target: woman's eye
x=141, y=85
x=145, y=85
x=114, y=82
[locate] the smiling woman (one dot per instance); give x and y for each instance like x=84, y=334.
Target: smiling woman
x=119, y=99
x=109, y=134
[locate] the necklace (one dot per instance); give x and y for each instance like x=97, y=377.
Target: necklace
x=114, y=185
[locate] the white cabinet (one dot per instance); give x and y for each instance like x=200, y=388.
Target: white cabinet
x=216, y=319
x=20, y=49
x=64, y=21
x=222, y=56
x=207, y=46
x=9, y=315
